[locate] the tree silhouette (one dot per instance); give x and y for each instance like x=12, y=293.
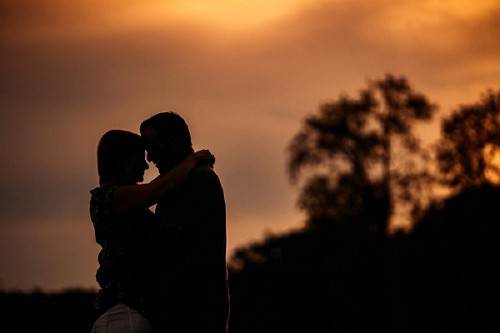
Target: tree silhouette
x=360, y=155
x=355, y=158
x=468, y=153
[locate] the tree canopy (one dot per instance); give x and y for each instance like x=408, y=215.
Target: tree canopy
x=468, y=153
x=361, y=155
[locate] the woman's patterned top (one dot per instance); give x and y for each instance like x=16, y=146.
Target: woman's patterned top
x=126, y=261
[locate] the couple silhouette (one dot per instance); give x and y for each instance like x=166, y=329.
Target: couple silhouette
x=163, y=271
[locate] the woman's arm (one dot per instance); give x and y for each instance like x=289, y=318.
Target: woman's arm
x=129, y=197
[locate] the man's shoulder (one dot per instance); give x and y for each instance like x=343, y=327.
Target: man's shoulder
x=203, y=178
x=204, y=173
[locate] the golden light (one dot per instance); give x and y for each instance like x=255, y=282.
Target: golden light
x=462, y=8
x=224, y=13
x=491, y=155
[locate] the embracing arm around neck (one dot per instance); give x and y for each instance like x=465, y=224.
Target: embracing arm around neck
x=130, y=197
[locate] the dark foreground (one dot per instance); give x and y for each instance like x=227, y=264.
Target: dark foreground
x=443, y=276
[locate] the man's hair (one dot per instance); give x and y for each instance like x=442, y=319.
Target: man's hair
x=169, y=124
x=114, y=147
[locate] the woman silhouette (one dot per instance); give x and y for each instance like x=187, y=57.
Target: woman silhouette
x=125, y=229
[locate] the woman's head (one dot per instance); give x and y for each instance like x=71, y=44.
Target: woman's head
x=120, y=157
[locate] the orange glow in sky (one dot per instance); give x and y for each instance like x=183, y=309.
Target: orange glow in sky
x=492, y=156
x=232, y=14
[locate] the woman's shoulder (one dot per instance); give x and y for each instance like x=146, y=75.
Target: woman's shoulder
x=101, y=201
x=103, y=193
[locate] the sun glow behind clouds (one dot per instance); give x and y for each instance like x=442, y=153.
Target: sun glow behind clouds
x=225, y=13
x=409, y=15
x=253, y=13
x=31, y=19
x=465, y=9
x=94, y=17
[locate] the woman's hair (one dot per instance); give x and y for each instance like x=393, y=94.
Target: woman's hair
x=114, y=147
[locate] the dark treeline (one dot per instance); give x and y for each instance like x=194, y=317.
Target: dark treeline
x=442, y=277
x=38, y=312
x=361, y=166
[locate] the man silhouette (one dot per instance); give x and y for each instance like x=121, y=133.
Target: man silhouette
x=192, y=230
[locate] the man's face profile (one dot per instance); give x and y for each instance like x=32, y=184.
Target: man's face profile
x=159, y=152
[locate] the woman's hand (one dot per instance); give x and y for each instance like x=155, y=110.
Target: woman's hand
x=204, y=157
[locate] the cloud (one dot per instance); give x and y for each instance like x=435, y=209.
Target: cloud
x=65, y=91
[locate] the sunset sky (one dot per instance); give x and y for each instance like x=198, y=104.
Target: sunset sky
x=243, y=74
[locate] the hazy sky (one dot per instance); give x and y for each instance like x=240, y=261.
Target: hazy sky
x=243, y=75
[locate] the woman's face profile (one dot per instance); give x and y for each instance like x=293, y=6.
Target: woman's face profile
x=134, y=168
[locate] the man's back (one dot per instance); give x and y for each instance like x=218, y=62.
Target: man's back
x=192, y=224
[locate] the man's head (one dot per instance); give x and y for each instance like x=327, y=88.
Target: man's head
x=167, y=140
